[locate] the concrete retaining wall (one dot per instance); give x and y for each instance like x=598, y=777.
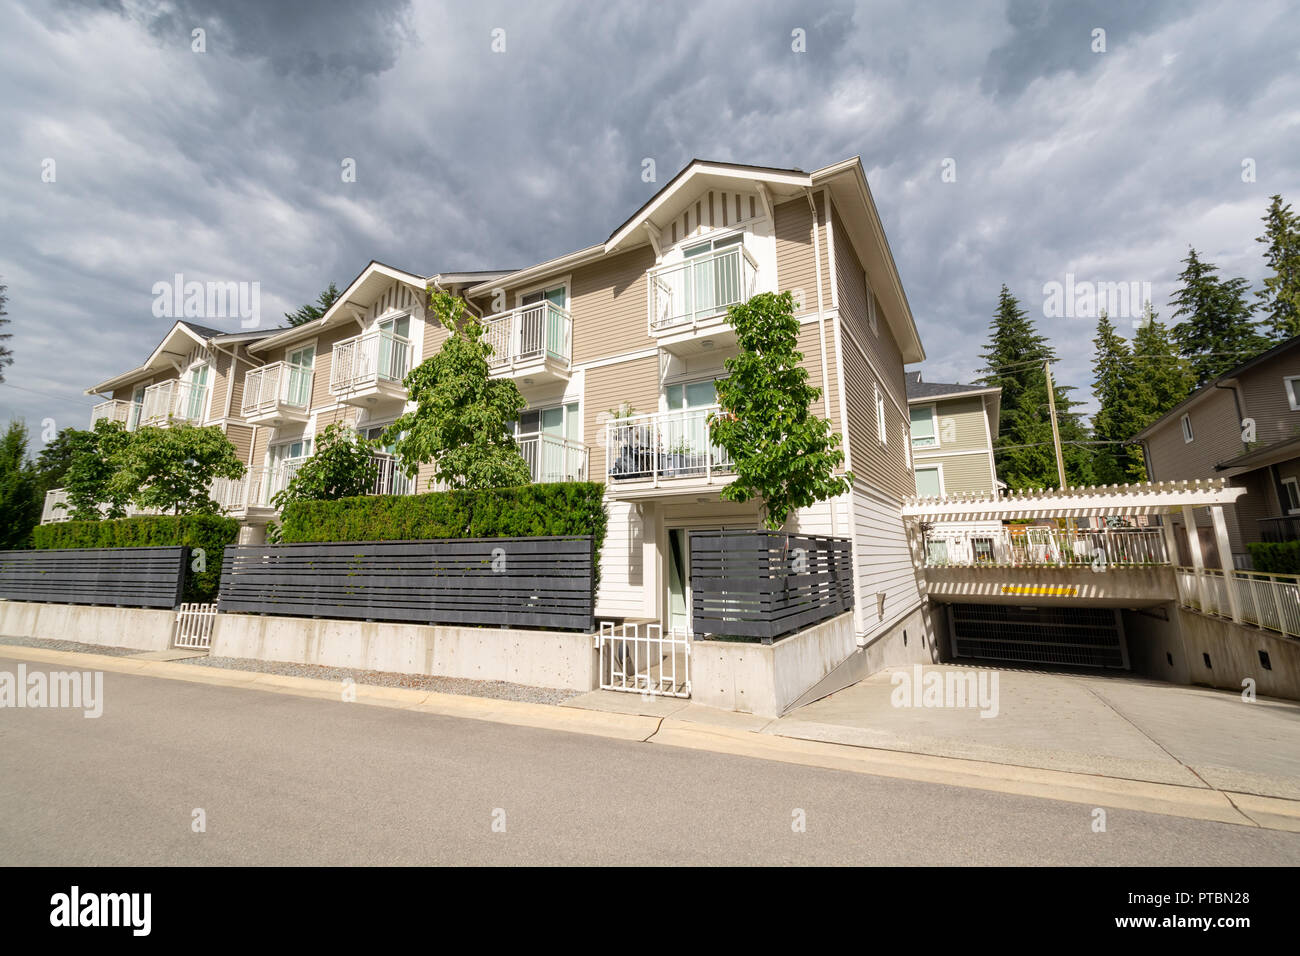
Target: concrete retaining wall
x=765, y=679
x=148, y=629
x=540, y=658
x=1233, y=650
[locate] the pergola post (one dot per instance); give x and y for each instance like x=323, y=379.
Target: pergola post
x=1194, y=550
x=1225, y=559
x=1171, y=539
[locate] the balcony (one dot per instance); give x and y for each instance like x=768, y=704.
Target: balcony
x=1036, y=547
x=174, y=400
x=666, y=451
x=276, y=394
x=370, y=368
x=551, y=458
x=691, y=298
x=533, y=341
x=1280, y=528
x=389, y=477
x=116, y=410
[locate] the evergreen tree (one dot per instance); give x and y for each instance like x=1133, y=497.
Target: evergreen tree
x=20, y=497
x=1023, y=447
x=1166, y=376
x=1279, y=300
x=314, y=310
x=1121, y=393
x=1217, y=331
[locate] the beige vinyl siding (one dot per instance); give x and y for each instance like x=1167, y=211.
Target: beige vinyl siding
x=1264, y=398
x=219, y=362
x=883, y=467
x=962, y=474
x=961, y=424
x=241, y=436
x=882, y=560
x=608, y=302
x=237, y=372
x=1217, y=437
x=810, y=345
x=795, y=265
x=623, y=576
x=608, y=387
x=123, y=393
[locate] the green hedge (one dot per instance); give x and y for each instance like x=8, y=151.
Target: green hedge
x=559, y=508
x=210, y=532
x=1276, y=557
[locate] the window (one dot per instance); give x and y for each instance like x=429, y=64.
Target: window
x=691, y=395
x=374, y=433
x=881, y=429
x=1291, y=490
x=872, y=320
x=907, y=448
x=137, y=404
x=1187, y=429
x=1292, y=385
x=196, y=400
x=925, y=434
x=929, y=482
x=298, y=391
x=290, y=450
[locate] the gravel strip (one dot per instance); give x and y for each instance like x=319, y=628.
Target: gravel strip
x=70, y=646
x=497, y=689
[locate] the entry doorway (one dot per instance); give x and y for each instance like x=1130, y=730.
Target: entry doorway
x=679, y=581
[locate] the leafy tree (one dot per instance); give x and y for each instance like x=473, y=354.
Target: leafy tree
x=462, y=417
x=314, y=310
x=55, y=458
x=170, y=469
x=88, y=480
x=1121, y=393
x=6, y=354
x=342, y=466
x=20, y=495
x=780, y=451
x=1217, y=331
x=1023, y=448
x=1279, y=300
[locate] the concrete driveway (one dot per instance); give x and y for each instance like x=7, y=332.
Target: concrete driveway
x=1115, y=725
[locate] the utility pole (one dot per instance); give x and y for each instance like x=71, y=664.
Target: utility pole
x=1056, y=430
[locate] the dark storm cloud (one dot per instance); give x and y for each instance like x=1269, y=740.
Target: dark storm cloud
x=226, y=165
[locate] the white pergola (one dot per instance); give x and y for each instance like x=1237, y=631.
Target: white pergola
x=1147, y=498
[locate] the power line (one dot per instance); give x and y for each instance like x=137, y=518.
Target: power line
x=57, y=398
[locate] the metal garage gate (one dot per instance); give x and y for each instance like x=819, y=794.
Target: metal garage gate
x=1069, y=636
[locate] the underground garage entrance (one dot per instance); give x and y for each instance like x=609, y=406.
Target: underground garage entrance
x=1090, y=637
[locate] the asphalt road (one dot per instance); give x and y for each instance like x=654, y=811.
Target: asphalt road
x=284, y=779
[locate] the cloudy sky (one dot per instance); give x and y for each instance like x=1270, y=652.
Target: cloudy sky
x=226, y=164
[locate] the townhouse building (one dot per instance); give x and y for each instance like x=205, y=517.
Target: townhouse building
x=1243, y=426
x=952, y=437
x=616, y=349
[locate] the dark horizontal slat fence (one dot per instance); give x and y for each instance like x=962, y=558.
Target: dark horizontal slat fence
x=504, y=582
x=129, y=577
x=767, y=584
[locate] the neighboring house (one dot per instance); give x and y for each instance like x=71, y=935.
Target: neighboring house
x=616, y=348
x=952, y=437
x=1243, y=426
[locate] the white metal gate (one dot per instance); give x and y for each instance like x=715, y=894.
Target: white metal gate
x=641, y=659
x=194, y=626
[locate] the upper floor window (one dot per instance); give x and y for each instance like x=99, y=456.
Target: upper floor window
x=882, y=430
x=558, y=296
x=1187, y=429
x=1291, y=489
x=872, y=319
x=929, y=482
x=691, y=395
x=196, y=392
x=925, y=433
x=1292, y=384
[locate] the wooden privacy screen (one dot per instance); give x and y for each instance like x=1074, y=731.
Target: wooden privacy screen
x=127, y=577
x=504, y=582
x=767, y=584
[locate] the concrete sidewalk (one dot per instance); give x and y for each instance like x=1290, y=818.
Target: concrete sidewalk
x=1112, y=725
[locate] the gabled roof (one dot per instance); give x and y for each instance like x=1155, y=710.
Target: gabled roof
x=847, y=184
x=178, y=343
x=1226, y=378
x=918, y=390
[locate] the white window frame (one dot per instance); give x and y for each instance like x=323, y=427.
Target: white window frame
x=882, y=425
x=1292, y=385
x=872, y=319
x=211, y=385
x=1293, y=494
x=565, y=283
x=934, y=419
x=1189, y=435
x=938, y=467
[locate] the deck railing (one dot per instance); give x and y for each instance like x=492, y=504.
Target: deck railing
x=551, y=458
x=369, y=359
x=268, y=387
x=116, y=410
x=672, y=444
x=174, y=400
x=1032, y=547
x=700, y=287
x=541, y=330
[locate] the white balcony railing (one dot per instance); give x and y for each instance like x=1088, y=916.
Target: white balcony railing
x=551, y=458
x=367, y=360
x=1033, y=547
x=116, y=410
x=174, y=399
x=271, y=387
x=1270, y=601
x=700, y=287
x=664, y=445
x=55, y=507
x=542, y=330
x=389, y=477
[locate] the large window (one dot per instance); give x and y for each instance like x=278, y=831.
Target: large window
x=924, y=432
x=929, y=482
x=196, y=401
x=300, y=364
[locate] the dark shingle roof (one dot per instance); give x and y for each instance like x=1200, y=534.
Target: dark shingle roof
x=919, y=389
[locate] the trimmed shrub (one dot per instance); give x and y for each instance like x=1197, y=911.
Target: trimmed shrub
x=209, y=532
x=558, y=508
x=1276, y=557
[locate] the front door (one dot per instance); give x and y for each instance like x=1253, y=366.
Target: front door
x=679, y=581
